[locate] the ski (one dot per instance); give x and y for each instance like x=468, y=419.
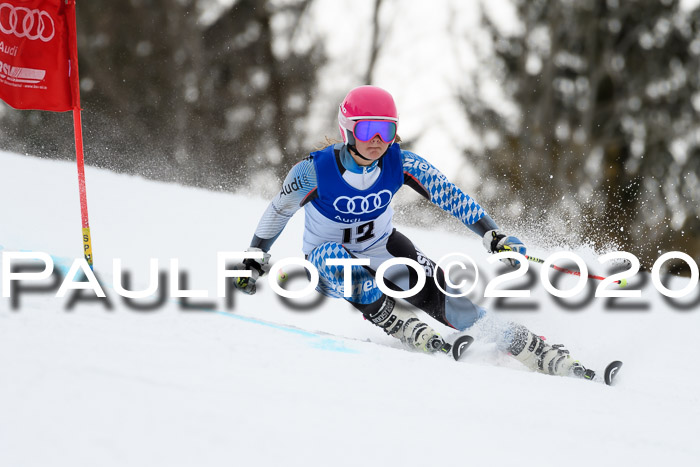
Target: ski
x=460, y=346
x=590, y=375
x=457, y=348
x=611, y=372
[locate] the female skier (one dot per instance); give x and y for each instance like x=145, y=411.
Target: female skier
x=346, y=190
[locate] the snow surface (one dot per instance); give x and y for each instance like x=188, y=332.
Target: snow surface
x=268, y=383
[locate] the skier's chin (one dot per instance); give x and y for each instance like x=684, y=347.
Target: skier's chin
x=373, y=153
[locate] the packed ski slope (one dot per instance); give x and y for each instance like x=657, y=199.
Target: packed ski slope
x=271, y=382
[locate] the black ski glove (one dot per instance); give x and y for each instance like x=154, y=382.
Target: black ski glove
x=257, y=268
x=496, y=241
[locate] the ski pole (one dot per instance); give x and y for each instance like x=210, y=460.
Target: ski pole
x=622, y=283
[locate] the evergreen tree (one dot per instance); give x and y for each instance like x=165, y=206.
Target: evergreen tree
x=170, y=96
x=605, y=140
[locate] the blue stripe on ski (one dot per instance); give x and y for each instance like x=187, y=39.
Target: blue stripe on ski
x=319, y=342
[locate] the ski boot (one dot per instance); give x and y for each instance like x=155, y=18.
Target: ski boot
x=538, y=355
x=405, y=326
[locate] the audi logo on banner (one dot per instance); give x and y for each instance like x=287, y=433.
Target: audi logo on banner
x=23, y=22
x=362, y=204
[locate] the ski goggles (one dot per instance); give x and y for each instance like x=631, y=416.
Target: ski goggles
x=365, y=130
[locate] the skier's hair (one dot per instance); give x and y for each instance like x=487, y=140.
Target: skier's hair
x=331, y=141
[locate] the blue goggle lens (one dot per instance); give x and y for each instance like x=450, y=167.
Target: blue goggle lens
x=365, y=130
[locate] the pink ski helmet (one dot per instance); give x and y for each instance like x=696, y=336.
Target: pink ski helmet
x=366, y=103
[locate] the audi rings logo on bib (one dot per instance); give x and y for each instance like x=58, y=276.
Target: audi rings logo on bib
x=362, y=204
x=23, y=22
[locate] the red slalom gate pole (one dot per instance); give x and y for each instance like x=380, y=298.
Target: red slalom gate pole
x=78, y=130
x=78, y=127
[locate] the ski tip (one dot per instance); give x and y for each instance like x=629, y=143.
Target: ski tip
x=611, y=371
x=461, y=345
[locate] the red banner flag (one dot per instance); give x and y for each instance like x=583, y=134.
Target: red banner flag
x=39, y=55
x=39, y=70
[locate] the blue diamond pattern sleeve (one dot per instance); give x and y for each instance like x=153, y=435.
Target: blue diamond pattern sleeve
x=299, y=183
x=440, y=190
